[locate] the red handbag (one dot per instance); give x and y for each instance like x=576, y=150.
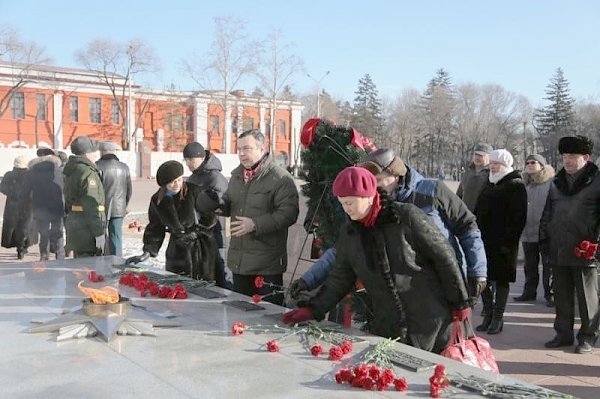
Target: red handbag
x=473, y=351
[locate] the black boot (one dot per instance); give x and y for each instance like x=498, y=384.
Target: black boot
x=498, y=314
x=486, y=299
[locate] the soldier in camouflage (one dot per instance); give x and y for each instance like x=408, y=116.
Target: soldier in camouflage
x=84, y=200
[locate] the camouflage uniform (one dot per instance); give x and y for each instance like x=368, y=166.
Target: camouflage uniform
x=84, y=202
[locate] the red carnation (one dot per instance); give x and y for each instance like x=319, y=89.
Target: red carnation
x=272, y=346
x=336, y=353
x=316, y=349
x=374, y=372
x=238, y=328
x=584, y=245
x=256, y=298
x=400, y=384
x=387, y=376
x=346, y=347
x=259, y=281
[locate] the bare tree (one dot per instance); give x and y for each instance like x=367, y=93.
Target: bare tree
x=230, y=58
x=117, y=64
x=22, y=56
x=275, y=67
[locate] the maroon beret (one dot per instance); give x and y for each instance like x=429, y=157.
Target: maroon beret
x=355, y=181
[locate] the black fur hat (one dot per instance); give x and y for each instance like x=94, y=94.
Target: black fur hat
x=168, y=171
x=575, y=145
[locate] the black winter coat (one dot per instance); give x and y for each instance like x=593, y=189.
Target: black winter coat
x=117, y=185
x=208, y=176
x=178, y=215
x=501, y=215
x=43, y=186
x=404, y=262
x=571, y=216
x=18, y=229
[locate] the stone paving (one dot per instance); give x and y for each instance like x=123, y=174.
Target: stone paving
x=519, y=349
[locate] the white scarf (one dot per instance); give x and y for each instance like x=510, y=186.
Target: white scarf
x=495, y=178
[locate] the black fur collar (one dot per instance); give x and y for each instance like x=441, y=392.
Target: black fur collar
x=590, y=171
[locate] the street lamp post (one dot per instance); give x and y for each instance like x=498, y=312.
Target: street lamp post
x=318, y=82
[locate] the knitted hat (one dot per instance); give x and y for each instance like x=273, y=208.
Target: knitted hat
x=83, y=145
x=536, y=157
x=384, y=160
x=575, y=145
x=20, y=162
x=42, y=152
x=355, y=182
x=168, y=171
x=194, y=150
x=501, y=156
x=482, y=149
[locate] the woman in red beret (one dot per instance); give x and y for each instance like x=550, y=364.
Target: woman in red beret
x=408, y=268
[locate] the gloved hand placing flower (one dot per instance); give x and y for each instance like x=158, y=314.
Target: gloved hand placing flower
x=137, y=259
x=297, y=316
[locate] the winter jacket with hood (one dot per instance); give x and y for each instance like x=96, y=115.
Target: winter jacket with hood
x=501, y=214
x=406, y=266
x=270, y=199
x=537, y=185
x=209, y=176
x=571, y=216
x=43, y=185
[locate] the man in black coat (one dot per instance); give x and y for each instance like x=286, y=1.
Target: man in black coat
x=43, y=184
x=570, y=219
x=116, y=180
x=206, y=174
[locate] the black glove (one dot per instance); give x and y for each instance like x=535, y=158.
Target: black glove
x=476, y=286
x=186, y=239
x=297, y=287
x=137, y=259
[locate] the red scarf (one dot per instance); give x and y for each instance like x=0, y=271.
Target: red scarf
x=370, y=219
x=249, y=174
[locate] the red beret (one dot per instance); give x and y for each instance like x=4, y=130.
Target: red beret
x=355, y=182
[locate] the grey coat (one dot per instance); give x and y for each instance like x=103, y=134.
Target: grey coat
x=537, y=186
x=116, y=180
x=270, y=199
x=471, y=185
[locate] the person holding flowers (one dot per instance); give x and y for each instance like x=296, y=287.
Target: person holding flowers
x=569, y=228
x=407, y=266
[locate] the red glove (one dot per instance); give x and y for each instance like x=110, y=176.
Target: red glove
x=461, y=314
x=297, y=316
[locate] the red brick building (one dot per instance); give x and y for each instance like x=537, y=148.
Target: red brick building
x=51, y=106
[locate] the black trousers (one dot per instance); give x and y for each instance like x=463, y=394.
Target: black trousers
x=244, y=284
x=50, y=228
x=582, y=282
x=533, y=253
